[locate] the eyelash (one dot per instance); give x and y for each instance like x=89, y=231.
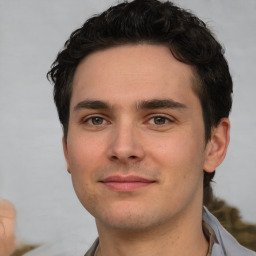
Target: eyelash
x=166, y=120
x=89, y=120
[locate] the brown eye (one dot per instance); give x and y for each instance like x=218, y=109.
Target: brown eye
x=97, y=120
x=159, y=120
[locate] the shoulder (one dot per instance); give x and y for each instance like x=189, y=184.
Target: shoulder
x=225, y=244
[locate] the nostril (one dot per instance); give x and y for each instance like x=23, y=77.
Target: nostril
x=132, y=157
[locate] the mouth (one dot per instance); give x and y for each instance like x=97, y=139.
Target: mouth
x=126, y=183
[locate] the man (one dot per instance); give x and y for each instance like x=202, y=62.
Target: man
x=143, y=92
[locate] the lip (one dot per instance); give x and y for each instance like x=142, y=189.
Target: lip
x=126, y=183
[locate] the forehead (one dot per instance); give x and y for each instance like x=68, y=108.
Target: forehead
x=132, y=72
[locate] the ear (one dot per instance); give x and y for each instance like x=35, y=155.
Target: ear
x=216, y=147
x=65, y=150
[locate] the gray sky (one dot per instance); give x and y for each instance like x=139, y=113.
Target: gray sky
x=32, y=169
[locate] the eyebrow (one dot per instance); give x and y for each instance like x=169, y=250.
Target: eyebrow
x=160, y=103
x=145, y=104
x=92, y=104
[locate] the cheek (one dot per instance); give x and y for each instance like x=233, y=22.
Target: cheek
x=181, y=165
x=84, y=154
x=180, y=156
x=84, y=159
x=177, y=149
x=83, y=166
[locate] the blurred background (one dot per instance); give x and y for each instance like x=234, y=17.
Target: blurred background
x=33, y=175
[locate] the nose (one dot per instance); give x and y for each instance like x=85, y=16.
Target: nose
x=125, y=145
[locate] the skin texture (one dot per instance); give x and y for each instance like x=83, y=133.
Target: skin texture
x=7, y=227
x=150, y=126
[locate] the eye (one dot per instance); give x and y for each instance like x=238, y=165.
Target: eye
x=95, y=121
x=159, y=120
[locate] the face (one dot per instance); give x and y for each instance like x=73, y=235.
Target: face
x=135, y=146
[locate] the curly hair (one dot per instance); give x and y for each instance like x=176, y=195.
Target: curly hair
x=152, y=22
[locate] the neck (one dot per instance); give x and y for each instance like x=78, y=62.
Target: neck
x=183, y=237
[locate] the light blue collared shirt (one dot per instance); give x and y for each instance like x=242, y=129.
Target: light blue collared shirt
x=225, y=244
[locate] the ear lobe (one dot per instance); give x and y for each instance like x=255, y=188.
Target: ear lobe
x=65, y=151
x=216, y=148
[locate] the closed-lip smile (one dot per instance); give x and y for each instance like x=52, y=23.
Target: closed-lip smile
x=126, y=183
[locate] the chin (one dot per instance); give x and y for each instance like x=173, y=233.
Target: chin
x=128, y=219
